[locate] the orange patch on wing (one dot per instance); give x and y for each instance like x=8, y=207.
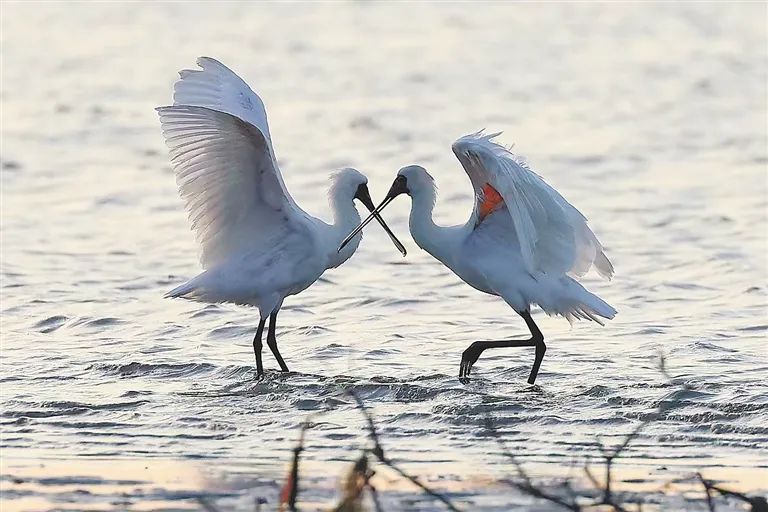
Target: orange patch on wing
x=490, y=201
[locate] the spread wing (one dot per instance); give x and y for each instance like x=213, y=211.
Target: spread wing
x=229, y=182
x=553, y=235
x=217, y=87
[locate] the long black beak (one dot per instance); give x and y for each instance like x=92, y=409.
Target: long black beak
x=365, y=197
x=398, y=187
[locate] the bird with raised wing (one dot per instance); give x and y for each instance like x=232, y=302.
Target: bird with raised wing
x=258, y=245
x=523, y=241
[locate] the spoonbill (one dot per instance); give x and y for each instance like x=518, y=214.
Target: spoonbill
x=523, y=241
x=258, y=246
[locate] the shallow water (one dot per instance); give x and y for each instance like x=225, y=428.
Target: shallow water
x=651, y=119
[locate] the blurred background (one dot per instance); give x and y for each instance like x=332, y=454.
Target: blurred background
x=650, y=118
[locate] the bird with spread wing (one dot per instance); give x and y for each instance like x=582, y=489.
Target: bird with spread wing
x=258, y=245
x=523, y=241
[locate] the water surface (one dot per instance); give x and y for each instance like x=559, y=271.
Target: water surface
x=651, y=119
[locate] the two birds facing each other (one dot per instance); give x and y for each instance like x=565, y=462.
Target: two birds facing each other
x=523, y=242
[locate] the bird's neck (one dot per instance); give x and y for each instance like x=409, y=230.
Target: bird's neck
x=434, y=239
x=345, y=219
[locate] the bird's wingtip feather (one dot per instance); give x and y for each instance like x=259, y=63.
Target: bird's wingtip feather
x=209, y=62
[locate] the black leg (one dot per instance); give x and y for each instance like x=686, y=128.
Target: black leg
x=257, y=348
x=272, y=341
x=472, y=353
x=541, y=348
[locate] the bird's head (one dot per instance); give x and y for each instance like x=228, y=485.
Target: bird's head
x=412, y=179
x=352, y=183
x=349, y=182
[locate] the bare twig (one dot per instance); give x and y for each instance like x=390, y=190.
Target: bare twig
x=758, y=504
x=378, y=452
x=708, y=491
x=505, y=451
x=590, y=476
x=608, y=496
x=375, y=498
x=290, y=492
x=609, y=456
x=527, y=486
x=566, y=484
x=561, y=494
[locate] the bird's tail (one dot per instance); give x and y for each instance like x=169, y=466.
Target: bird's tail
x=576, y=303
x=593, y=308
x=186, y=290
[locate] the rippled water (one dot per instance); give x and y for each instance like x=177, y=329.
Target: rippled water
x=651, y=119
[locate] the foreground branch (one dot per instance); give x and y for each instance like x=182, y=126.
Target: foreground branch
x=378, y=452
x=290, y=492
x=757, y=504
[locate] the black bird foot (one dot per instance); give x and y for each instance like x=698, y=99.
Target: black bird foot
x=468, y=358
x=473, y=352
x=262, y=375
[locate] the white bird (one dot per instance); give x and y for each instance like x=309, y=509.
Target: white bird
x=523, y=241
x=258, y=246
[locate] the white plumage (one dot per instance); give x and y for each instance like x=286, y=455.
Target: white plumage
x=217, y=87
x=522, y=242
x=230, y=185
x=553, y=235
x=258, y=246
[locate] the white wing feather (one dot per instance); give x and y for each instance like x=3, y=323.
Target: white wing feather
x=217, y=87
x=229, y=182
x=553, y=235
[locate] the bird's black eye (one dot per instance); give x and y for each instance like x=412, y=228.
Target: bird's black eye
x=401, y=182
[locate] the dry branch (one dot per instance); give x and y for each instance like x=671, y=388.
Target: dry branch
x=378, y=452
x=604, y=495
